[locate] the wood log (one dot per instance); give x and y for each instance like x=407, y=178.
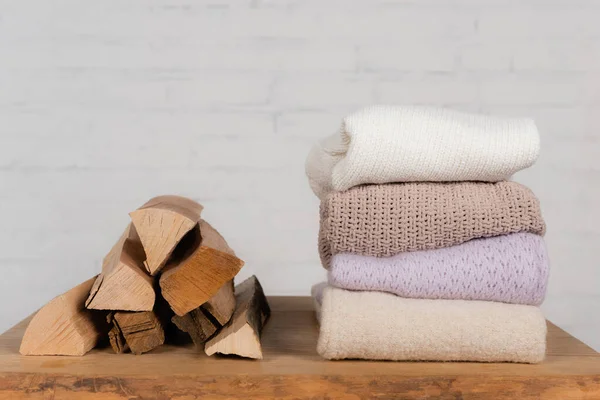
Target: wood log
x=161, y=223
x=205, y=320
x=138, y=331
x=241, y=335
x=192, y=282
x=210, y=237
x=189, y=281
x=64, y=327
x=198, y=324
x=222, y=305
x=123, y=283
x=116, y=338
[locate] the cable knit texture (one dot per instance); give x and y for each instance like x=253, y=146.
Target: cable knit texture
x=384, y=220
x=381, y=326
x=510, y=268
x=383, y=144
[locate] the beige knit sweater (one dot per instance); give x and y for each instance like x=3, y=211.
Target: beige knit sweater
x=384, y=220
x=382, y=326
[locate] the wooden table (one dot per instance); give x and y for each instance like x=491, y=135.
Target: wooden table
x=291, y=369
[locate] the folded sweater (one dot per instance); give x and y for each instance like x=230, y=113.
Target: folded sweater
x=384, y=220
x=383, y=144
x=381, y=326
x=509, y=268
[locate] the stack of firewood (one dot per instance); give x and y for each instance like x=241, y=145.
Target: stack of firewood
x=169, y=272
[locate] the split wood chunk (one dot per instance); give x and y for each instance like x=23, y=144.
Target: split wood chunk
x=241, y=336
x=161, y=223
x=64, y=327
x=138, y=331
x=198, y=324
x=222, y=305
x=190, y=281
x=123, y=283
x=210, y=237
x=205, y=320
x=201, y=234
x=193, y=281
x=116, y=338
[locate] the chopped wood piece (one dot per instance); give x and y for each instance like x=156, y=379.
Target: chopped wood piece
x=198, y=324
x=123, y=283
x=161, y=223
x=64, y=327
x=193, y=281
x=212, y=238
x=205, y=320
x=139, y=331
x=189, y=281
x=222, y=305
x=241, y=336
x=201, y=234
x=115, y=337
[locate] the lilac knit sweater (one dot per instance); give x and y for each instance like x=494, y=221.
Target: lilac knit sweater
x=510, y=268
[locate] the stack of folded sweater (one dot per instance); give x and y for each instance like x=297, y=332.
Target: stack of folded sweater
x=431, y=253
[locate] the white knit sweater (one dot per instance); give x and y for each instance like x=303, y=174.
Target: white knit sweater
x=383, y=144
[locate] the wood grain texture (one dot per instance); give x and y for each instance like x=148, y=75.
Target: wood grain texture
x=64, y=326
x=116, y=338
x=198, y=270
x=210, y=237
x=191, y=282
x=204, y=321
x=222, y=305
x=161, y=223
x=241, y=336
x=139, y=331
x=291, y=368
x=198, y=324
x=32, y=386
x=123, y=283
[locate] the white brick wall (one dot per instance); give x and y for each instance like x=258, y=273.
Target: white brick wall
x=105, y=104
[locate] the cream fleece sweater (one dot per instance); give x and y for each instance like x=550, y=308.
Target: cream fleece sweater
x=384, y=144
x=382, y=326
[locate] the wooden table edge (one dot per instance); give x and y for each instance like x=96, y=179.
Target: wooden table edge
x=56, y=386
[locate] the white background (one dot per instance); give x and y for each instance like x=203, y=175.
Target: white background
x=104, y=104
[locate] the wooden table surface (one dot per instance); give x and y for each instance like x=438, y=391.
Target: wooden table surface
x=291, y=369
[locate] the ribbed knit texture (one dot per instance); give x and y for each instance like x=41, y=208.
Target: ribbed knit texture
x=510, y=268
x=383, y=144
x=381, y=326
x=384, y=220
